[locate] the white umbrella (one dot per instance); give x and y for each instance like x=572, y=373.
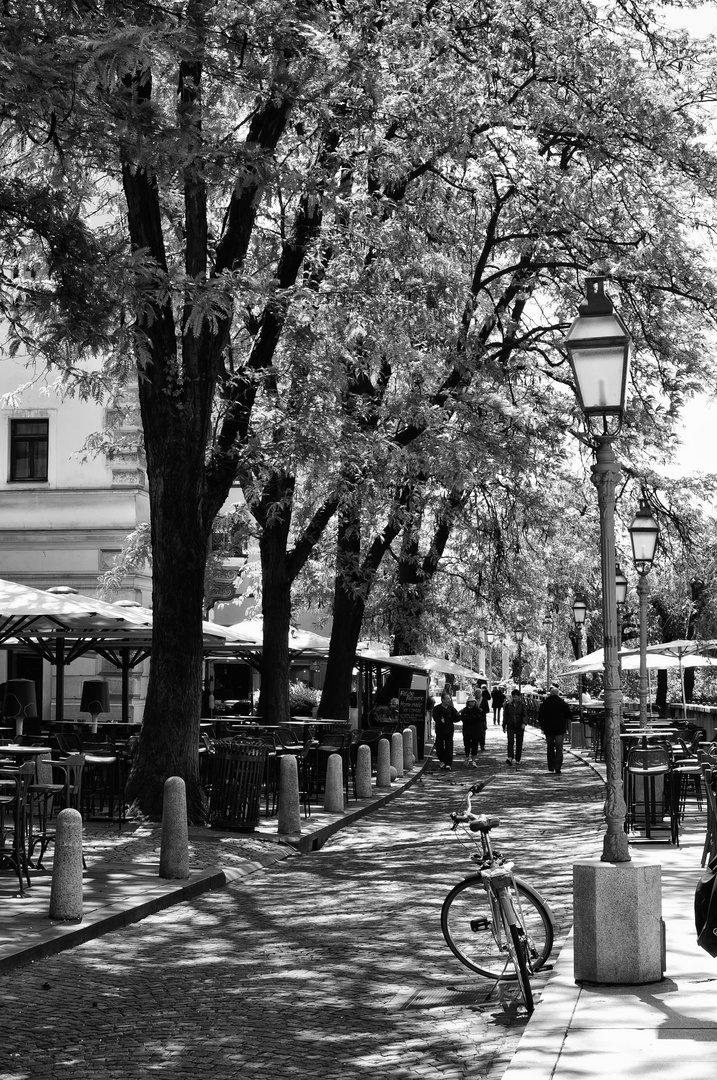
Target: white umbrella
x=686, y=654
x=670, y=654
x=252, y=630
x=630, y=661
x=419, y=662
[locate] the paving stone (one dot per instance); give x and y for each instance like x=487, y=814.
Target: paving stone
x=291, y=972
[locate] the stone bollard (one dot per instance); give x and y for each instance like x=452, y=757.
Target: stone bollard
x=414, y=735
x=334, y=790
x=174, y=852
x=363, y=772
x=407, y=750
x=66, y=888
x=397, y=752
x=289, y=806
x=383, y=767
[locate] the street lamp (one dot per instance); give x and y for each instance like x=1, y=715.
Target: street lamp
x=548, y=626
x=580, y=610
x=519, y=635
x=598, y=346
x=644, y=532
x=620, y=598
x=489, y=639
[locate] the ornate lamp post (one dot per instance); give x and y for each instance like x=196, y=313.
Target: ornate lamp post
x=489, y=639
x=620, y=598
x=580, y=610
x=548, y=627
x=519, y=633
x=644, y=532
x=598, y=346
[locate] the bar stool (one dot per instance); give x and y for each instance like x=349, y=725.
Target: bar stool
x=649, y=763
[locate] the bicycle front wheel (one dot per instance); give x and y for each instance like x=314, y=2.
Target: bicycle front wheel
x=517, y=949
x=467, y=925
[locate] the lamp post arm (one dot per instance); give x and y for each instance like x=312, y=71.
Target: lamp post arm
x=606, y=475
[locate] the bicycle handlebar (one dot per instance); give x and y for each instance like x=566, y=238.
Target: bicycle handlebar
x=467, y=815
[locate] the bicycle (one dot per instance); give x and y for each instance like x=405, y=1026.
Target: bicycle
x=494, y=919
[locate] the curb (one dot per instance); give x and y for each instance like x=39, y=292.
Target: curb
x=60, y=936
x=315, y=840
x=158, y=895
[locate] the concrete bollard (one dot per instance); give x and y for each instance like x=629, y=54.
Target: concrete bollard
x=407, y=750
x=289, y=810
x=66, y=888
x=334, y=790
x=397, y=752
x=174, y=852
x=383, y=766
x=414, y=735
x=363, y=772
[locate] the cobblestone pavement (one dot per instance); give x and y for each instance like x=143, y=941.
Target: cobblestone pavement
x=329, y=965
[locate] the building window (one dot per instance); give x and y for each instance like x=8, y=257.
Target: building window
x=28, y=449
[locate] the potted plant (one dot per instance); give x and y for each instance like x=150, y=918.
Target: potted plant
x=303, y=699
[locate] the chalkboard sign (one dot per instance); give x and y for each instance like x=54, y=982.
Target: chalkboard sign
x=412, y=710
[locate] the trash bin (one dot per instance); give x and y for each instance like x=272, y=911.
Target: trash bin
x=238, y=770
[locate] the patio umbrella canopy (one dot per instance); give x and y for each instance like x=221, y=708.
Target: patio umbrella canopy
x=665, y=656
x=419, y=662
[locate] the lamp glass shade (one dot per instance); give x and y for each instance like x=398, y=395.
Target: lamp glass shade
x=548, y=623
x=519, y=634
x=20, y=698
x=95, y=697
x=580, y=610
x=644, y=532
x=598, y=346
x=620, y=586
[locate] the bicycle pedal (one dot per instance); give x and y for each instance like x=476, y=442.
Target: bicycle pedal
x=480, y=924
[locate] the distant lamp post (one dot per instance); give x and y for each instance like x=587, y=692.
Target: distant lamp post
x=489, y=639
x=519, y=634
x=580, y=610
x=548, y=627
x=598, y=346
x=620, y=598
x=644, y=532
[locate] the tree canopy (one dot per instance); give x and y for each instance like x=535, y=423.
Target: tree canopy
x=338, y=243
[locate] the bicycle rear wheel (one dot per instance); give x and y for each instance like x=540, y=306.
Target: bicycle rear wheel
x=467, y=925
x=517, y=948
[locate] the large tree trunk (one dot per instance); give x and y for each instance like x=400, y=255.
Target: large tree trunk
x=276, y=608
x=169, y=739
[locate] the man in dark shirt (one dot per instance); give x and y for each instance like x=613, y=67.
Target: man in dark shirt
x=553, y=718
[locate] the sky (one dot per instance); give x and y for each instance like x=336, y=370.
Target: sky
x=699, y=450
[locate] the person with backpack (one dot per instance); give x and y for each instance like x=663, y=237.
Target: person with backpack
x=444, y=718
x=515, y=721
x=554, y=717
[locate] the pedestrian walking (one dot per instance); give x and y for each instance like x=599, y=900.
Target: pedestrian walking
x=497, y=699
x=554, y=717
x=484, y=703
x=444, y=718
x=515, y=721
x=474, y=724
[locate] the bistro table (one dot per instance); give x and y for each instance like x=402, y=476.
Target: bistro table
x=13, y=750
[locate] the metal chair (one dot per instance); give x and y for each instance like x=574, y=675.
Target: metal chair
x=14, y=801
x=57, y=781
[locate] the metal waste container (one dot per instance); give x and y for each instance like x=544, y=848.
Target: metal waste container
x=238, y=770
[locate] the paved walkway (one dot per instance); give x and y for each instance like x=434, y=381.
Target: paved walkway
x=658, y=1030
x=333, y=965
